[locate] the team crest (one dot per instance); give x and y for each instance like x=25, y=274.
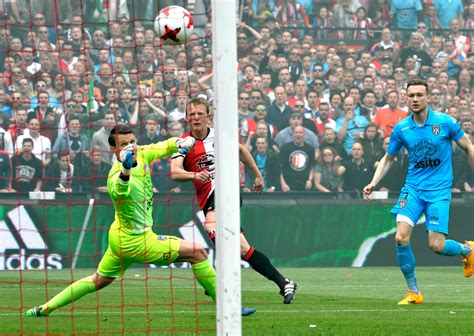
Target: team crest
x=435, y=129
x=403, y=203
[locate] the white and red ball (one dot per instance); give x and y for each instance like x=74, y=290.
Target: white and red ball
x=174, y=25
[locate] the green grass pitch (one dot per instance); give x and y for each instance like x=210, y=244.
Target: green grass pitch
x=329, y=301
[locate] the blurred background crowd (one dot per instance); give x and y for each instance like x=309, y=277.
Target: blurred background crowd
x=321, y=85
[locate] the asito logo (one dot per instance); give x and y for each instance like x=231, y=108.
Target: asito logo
x=423, y=150
x=23, y=247
x=427, y=163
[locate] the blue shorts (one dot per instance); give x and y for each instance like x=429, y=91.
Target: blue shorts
x=434, y=204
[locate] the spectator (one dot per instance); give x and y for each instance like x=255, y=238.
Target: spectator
x=368, y=108
x=268, y=163
x=151, y=133
x=387, y=118
x=175, y=129
x=179, y=113
x=41, y=145
x=18, y=126
x=379, y=11
x=358, y=170
x=27, y=168
x=5, y=167
x=406, y=14
x=323, y=120
x=291, y=14
x=449, y=11
x=126, y=105
x=249, y=125
x=363, y=25
x=297, y=158
x=61, y=175
x=454, y=58
x=93, y=174
x=48, y=115
x=372, y=143
x=100, y=140
x=73, y=142
x=350, y=127
x=461, y=170
x=279, y=112
x=324, y=26
x=330, y=140
x=286, y=135
x=312, y=110
x=343, y=13
x=262, y=129
x=327, y=172
x=415, y=51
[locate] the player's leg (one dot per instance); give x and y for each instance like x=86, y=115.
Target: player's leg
x=164, y=250
x=437, y=217
x=408, y=209
x=202, y=268
x=261, y=264
x=109, y=268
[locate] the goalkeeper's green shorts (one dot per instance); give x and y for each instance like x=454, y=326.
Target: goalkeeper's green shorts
x=147, y=248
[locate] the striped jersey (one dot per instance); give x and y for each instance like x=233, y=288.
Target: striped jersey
x=201, y=157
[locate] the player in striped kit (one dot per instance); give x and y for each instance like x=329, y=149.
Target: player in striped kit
x=198, y=166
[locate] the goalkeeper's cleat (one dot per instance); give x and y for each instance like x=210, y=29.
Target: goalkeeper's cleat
x=248, y=311
x=36, y=312
x=469, y=261
x=288, y=291
x=411, y=298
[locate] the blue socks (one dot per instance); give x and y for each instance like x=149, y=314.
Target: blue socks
x=406, y=260
x=453, y=248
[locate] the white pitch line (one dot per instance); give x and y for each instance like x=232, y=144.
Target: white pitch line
x=269, y=311
x=300, y=288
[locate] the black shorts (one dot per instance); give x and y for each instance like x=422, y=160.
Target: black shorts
x=210, y=206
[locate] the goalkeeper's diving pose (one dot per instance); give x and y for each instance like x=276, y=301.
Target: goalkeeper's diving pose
x=131, y=239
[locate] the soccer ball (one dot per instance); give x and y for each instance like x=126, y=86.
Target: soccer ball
x=174, y=25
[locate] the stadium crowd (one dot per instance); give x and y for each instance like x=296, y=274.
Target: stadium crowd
x=321, y=85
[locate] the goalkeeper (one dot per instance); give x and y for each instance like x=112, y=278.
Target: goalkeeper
x=131, y=239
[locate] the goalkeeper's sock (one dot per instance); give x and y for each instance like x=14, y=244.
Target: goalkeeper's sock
x=406, y=260
x=206, y=276
x=262, y=265
x=453, y=248
x=72, y=293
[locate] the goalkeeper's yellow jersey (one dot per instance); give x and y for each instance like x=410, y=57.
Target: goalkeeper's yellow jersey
x=133, y=199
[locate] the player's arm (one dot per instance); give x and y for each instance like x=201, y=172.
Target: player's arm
x=468, y=147
x=178, y=173
x=167, y=148
x=249, y=162
x=118, y=183
x=382, y=169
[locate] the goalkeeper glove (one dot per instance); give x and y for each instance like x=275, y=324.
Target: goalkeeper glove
x=126, y=157
x=185, y=144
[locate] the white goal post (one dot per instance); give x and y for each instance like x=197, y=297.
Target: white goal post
x=224, y=51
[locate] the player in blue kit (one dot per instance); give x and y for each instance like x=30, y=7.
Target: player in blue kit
x=427, y=135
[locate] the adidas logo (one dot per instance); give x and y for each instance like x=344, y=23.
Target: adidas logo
x=19, y=246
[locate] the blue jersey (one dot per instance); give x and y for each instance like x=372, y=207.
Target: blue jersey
x=429, y=149
x=355, y=127
x=405, y=12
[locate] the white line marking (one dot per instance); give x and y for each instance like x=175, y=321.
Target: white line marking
x=83, y=232
x=269, y=311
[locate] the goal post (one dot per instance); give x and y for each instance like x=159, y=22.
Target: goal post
x=224, y=51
